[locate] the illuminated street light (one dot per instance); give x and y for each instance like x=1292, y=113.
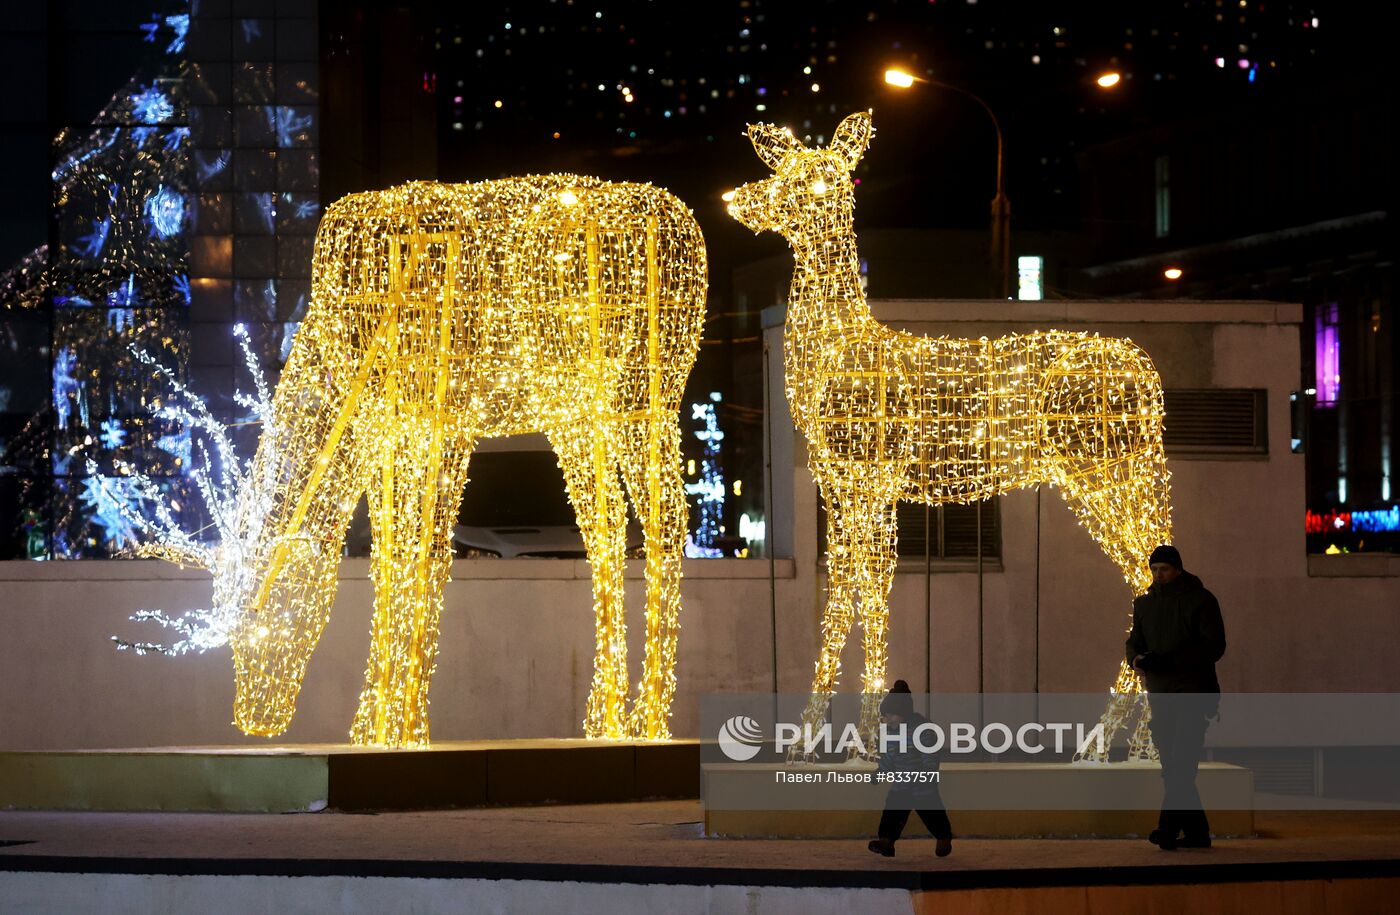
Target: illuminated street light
x=1109, y=80
x=897, y=77
x=1172, y=273
x=1001, y=206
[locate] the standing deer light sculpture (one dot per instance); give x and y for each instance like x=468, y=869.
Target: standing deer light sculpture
x=892, y=416
x=442, y=315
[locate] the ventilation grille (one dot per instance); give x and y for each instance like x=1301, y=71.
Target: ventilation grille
x=954, y=536
x=1276, y=770
x=1215, y=421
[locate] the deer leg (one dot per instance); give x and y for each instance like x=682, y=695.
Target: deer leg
x=413, y=507
x=596, y=494
x=1124, y=504
x=842, y=574
x=876, y=539
x=651, y=468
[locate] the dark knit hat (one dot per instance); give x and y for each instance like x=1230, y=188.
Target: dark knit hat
x=899, y=702
x=1167, y=554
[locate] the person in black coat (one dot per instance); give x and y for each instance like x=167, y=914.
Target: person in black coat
x=919, y=794
x=1177, y=637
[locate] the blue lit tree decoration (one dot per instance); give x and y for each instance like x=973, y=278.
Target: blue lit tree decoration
x=117, y=279
x=114, y=503
x=703, y=541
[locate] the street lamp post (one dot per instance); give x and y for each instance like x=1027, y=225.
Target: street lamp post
x=1001, y=206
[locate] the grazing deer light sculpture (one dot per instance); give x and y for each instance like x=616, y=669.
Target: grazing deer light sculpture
x=892, y=416
x=442, y=315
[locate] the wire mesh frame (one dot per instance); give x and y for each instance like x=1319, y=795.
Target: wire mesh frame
x=444, y=314
x=891, y=416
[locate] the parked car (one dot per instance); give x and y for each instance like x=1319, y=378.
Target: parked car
x=515, y=504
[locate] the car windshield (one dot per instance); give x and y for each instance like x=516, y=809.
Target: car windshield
x=515, y=489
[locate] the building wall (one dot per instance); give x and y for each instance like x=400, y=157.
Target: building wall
x=516, y=652
x=517, y=637
x=254, y=117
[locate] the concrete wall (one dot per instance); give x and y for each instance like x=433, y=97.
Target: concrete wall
x=516, y=652
x=517, y=635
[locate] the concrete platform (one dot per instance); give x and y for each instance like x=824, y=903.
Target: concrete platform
x=312, y=777
x=652, y=857
x=983, y=799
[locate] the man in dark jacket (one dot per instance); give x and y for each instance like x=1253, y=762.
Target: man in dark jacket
x=916, y=787
x=1176, y=639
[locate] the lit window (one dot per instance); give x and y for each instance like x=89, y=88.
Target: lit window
x=1327, y=353
x=1030, y=271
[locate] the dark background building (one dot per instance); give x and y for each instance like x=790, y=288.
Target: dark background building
x=1246, y=145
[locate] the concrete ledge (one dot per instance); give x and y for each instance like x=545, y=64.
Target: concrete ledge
x=357, y=568
x=1354, y=565
x=450, y=774
x=155, y=780
x=1049, y=312
x=1183, y=872
x=1087, y=312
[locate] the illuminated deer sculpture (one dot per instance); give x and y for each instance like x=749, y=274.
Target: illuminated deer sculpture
x=442, y=315
x=892, y=416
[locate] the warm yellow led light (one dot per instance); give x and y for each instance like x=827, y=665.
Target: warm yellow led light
x=891, y=416
x=442, y=315
x=1172, y=273
x=1109, y=80
x=898, y=78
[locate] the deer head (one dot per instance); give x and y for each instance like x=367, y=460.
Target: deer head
x=811, y=189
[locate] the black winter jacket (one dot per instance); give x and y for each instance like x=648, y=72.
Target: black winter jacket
x=918, y=794
x=1178, y=628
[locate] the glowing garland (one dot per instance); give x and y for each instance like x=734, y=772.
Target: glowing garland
x=232, y=505
x=441, y=315
x=892, y=416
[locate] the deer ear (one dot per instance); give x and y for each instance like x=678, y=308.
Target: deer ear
x=773, y=144
x=852, y=137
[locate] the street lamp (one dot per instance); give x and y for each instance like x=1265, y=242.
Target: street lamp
x=1109, y=80
x=1001, y=206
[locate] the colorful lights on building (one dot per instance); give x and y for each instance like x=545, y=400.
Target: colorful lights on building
x=703, y=542
x=1327, y=357
x=1383, y=520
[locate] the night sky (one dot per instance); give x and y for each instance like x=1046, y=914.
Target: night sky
x=563, y=72
x=697, y=73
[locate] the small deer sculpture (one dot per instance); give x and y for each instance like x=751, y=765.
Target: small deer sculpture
x=892, y=416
